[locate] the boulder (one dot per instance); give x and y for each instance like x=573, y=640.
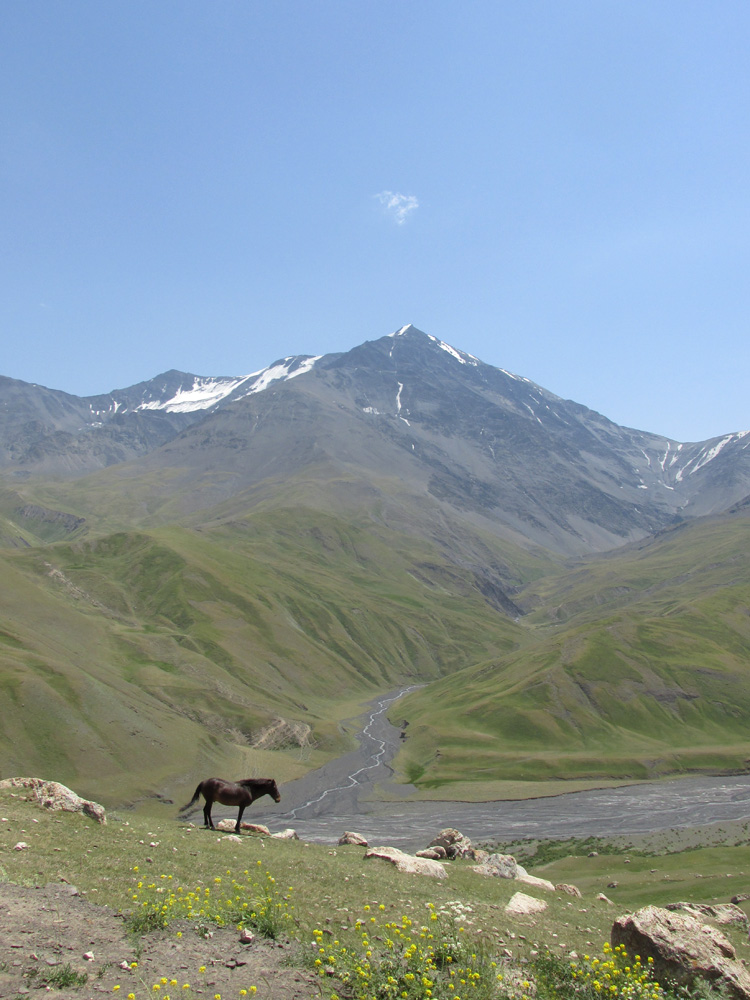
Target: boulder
x=407, y=862
x=256, y=828
x=352, y=838
x=228, y=826
x=452, y=841
x=570, y=890
x=436, y=853
x=499, y=865
x=450, y=836
x=722, y=913
x=287, y=834
x=540, y=883
x=683, y=949
x=521, y=905
x=56, y=797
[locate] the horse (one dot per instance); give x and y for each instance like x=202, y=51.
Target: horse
x=232, y=793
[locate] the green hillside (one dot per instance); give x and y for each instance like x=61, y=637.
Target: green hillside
x=142, y=657
x=145, y=641
x=634, y=666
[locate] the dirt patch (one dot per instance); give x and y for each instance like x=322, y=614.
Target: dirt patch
x=47, y=931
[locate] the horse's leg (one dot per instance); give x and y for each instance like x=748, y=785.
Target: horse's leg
x=239, y=819
x=207, y=814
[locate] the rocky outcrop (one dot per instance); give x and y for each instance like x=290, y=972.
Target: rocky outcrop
x=407, y=862
x=352, y=838
x=452, y=842
x=288, y=834
x=56, y=797
x=683, y=949
x=506, y=866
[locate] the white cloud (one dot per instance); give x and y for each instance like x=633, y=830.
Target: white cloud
x=399, y=205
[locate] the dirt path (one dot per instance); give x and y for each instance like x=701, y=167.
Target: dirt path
x=47, y=931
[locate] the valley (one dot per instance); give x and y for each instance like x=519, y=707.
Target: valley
x=193, y=565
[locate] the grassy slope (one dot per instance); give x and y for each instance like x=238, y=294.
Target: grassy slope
x=633, y=666
x=333, y=888
x=166, y=637
x=149, y=658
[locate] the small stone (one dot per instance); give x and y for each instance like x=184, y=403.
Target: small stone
x=89, y=956
x=21, y=846
x=246, y=936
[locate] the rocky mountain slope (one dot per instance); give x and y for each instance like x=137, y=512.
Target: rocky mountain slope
x=485, y=445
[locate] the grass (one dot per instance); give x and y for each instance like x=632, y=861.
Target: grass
x=61, y=978
x=172, y=644
x=337, y=906
x=631, y=666
x=193, y=642
x=250, y=900
x=162, y=873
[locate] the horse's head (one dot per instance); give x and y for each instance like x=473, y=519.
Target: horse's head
x=274, y=791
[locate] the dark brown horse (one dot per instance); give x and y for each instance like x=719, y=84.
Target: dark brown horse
x=231, y=793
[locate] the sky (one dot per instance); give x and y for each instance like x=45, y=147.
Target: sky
x=559, y=188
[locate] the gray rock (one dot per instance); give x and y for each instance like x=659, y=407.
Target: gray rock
x=570, y=890
x=682, y=948
x=722, y=913
x=54, y=796
x=499, y=865
x=407, y=862
x=352, y=838
x=521, y=905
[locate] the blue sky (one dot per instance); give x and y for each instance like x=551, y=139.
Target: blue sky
x=560, y=188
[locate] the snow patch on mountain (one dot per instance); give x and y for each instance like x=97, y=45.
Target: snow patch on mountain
x=708, y=454
x=205, y=393
x=460, y=356
x=281, y=371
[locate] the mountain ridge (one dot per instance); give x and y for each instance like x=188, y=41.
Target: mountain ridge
x=486, y=443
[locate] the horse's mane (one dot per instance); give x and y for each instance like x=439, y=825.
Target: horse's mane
x=257, y=781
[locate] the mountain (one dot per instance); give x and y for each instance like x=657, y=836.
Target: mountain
x=44, y=430
x=192, y=566
x=479, y=442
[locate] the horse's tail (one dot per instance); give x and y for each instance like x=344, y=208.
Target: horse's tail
x=187, y=806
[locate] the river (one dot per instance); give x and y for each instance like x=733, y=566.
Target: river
x=344, y=795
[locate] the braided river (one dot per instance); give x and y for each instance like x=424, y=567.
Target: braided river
x=356, y=792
